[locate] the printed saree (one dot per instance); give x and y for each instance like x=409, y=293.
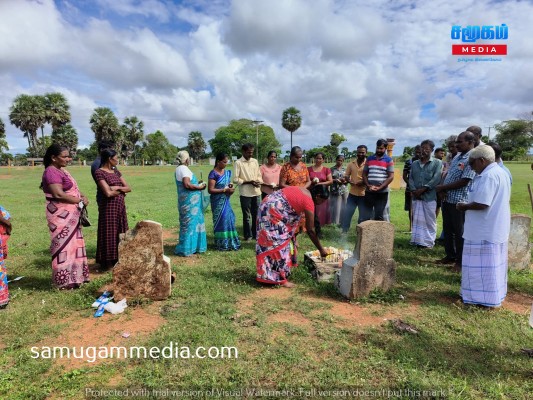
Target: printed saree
x=192, y=238
x=67, y=247
x=226, y=236
x=277, y=224
x=4, y=292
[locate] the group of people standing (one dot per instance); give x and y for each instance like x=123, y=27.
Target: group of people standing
x=64, y=205
x=272, y=223
x=473, y=188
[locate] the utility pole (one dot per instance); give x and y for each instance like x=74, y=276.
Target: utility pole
x=488, y=134
x=257, y=122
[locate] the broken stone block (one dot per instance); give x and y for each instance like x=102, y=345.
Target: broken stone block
x=519, y=247
x=372, y=265
x=142, y=269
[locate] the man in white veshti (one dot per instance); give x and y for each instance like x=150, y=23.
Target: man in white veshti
x=486, y=231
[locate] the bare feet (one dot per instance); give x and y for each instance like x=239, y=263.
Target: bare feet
x=288, y=284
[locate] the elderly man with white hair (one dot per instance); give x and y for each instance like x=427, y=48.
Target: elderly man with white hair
x=486, y=231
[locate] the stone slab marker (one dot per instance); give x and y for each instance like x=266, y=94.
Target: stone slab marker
x=372, y=265
x=142, y=269
x=519, y=248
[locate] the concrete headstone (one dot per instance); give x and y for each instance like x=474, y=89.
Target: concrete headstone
x=142, y=269
x=519, y=248
x=372, y=265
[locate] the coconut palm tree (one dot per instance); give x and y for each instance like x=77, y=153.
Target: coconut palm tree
x=291, y=120
x=27, y=114
x=57, y=110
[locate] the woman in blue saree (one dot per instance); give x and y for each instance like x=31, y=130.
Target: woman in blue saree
x=192, y=237
x=220, y=188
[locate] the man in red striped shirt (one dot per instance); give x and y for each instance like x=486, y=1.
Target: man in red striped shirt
x=377, y=175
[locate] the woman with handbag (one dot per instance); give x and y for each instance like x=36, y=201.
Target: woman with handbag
x=64, y=202
x=112, y=218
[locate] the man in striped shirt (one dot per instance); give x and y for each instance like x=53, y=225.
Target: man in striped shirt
x=377, y=175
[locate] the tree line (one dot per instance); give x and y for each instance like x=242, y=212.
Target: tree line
x=31, y=113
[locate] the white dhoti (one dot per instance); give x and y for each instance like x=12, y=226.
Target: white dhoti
x=484, y=273
x=424, y=228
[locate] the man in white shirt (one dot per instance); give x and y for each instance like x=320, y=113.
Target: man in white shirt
x=486, y=231
x=476, y=130
x=248, y=177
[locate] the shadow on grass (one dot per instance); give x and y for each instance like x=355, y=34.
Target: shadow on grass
x=31, y=282
x=429, y=275
x=168, y=249
x=236, y=275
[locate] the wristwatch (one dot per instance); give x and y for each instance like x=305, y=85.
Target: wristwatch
x=80, y=204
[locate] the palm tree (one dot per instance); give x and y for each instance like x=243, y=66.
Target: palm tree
x=105, y=125
x=3, y=141
x=27, y=114
x=57, y=110
x=196, y=144
x=133, y=132
x=66, y=135
x=291, y=120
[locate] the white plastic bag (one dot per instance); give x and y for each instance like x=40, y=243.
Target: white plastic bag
x=116, y=308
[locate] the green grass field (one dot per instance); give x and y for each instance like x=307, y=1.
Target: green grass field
x=299, y=340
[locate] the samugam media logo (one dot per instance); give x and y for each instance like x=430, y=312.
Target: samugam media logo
x=470, y=34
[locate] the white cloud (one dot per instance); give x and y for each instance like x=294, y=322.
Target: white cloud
x=146, y=8
x=31, y=35
x=366, y=69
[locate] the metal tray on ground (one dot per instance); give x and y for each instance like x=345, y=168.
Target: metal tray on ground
x=324, y=270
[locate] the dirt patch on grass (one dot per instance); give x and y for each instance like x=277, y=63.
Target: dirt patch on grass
x=518, y=303
x=291, y=317
x=106, y=331
x=170, y=235
x=350, y=314
x=193, y=259
x=344, y=314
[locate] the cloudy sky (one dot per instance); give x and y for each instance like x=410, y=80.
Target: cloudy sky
x=363, y=68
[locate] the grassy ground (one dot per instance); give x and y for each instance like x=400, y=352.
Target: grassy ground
x=298, y=340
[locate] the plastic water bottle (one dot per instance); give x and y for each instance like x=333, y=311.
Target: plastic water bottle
x=531, y=317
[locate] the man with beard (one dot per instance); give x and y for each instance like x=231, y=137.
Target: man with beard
x=424, y=177
x=354, y=175
x=378, y=173
x=455, y=190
